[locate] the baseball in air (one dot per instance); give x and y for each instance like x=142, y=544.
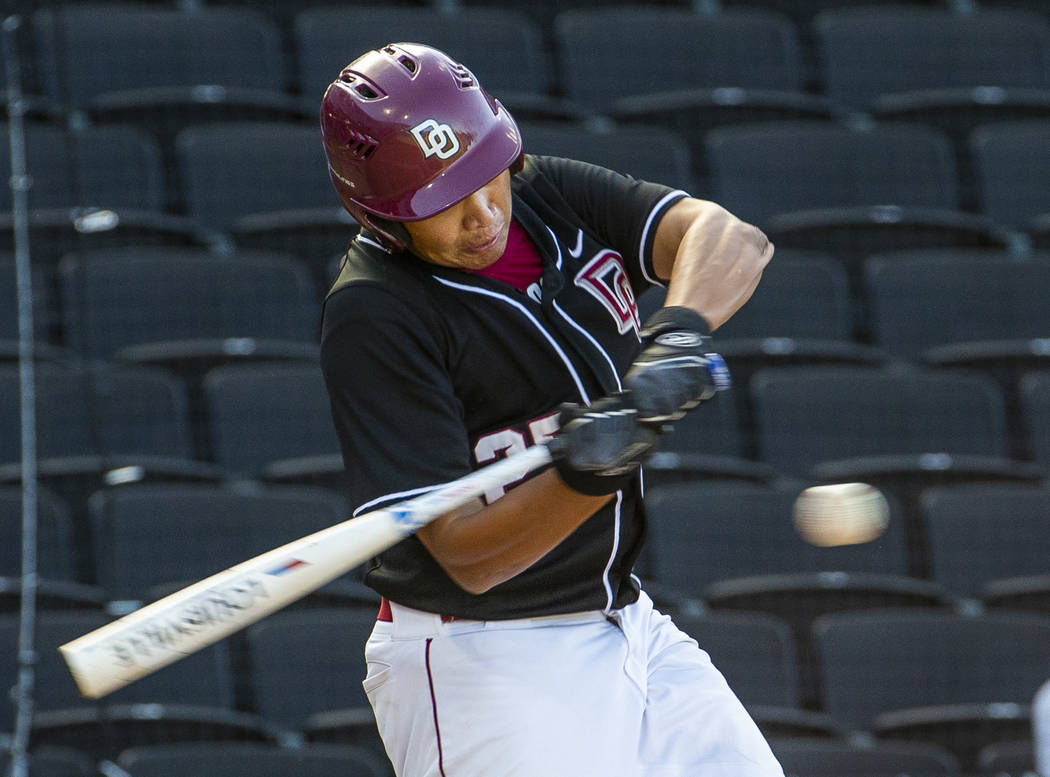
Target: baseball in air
x=841, y=514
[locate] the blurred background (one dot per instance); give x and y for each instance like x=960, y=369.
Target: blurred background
x=170, y=230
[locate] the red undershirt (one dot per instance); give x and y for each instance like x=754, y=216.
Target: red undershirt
x=520, y=265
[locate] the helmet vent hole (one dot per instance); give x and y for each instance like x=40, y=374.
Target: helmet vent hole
x=366, y=91
x=360, y=145
x=403, y=59
x=463, y=77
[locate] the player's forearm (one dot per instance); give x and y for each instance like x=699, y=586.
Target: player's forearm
x=487, y=545
x=713, y=259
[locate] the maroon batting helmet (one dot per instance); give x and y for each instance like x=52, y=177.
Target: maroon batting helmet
x=409, y=132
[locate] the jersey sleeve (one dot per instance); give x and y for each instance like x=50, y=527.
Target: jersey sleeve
x=621, y=212
x=399, y=423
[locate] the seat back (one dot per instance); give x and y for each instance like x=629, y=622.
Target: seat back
x=921, y=299
x=868, y=52
x=808, y=415
x=291, y=397
x=607, y=53
x=125, y=297
x=95, y=166
x=979, y=533
x=1010, y=160
x=309, y=661
x=877, y=662
x=152, y=535
x=233, y=169
x=758, y=171
x=88, y=49
x=502, y=46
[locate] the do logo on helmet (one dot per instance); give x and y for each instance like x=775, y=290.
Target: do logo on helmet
x=436, y=139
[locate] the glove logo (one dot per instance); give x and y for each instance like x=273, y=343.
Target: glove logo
x=435, y=139
x=605, y=278
x=680, y=339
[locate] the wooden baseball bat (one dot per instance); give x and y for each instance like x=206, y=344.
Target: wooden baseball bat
x=199, y=615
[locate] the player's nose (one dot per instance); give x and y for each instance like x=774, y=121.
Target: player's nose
x=480, y=211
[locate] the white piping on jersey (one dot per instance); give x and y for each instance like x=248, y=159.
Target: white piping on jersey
x=524, y=311
x=563, y=314
x=576, y=250
x=585, y=333
x=677, y=194
x=618, y=509
x=612, y=556
x=361, y=238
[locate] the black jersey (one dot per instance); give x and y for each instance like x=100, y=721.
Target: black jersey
x=434, y=372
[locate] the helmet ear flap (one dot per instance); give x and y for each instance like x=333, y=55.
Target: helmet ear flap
x=392, y=234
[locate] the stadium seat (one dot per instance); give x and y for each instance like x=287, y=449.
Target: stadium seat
x=189, y=311
x=954, y=305
x=273, y=421
x=975, y=310
x=1008, y=158
x=43, y=308
x=684, y=70
x=650, y=153
x=952, y=71
x=266, y=184
x=307, y=669
x=236, y=169
x=710, y=443
x=900, y=428
x=56, y=554
x=251, y=760
x=154, y=47
x=607, y=55
x=117, y=167
x=756, y=653
x=504, y=47
x=846, y=191
x=309, y=661
x=981, y=535
x=164, y=68
x=873, y=56
x=803, y=312
x=808, y=757
x=149, y=537
x=956, y=681
x=58, y=561
x=107, y=423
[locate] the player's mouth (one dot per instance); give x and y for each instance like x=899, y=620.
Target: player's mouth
x=485, y=245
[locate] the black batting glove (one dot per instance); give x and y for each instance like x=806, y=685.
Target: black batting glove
x=675, y=370
x=600, y=447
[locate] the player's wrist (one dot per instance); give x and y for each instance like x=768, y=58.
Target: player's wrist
x=675, y=318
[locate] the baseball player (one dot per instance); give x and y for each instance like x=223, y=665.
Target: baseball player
x=488, y=304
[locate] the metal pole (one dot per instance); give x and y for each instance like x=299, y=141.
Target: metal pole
x=20, y=184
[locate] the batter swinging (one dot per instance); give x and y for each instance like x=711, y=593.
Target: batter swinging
x=487, y=289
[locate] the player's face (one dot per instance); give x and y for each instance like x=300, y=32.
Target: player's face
x=472, y=234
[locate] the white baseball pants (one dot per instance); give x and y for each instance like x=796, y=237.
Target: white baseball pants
x=623, y=695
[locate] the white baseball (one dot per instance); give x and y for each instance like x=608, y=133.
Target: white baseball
x=841, y=514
